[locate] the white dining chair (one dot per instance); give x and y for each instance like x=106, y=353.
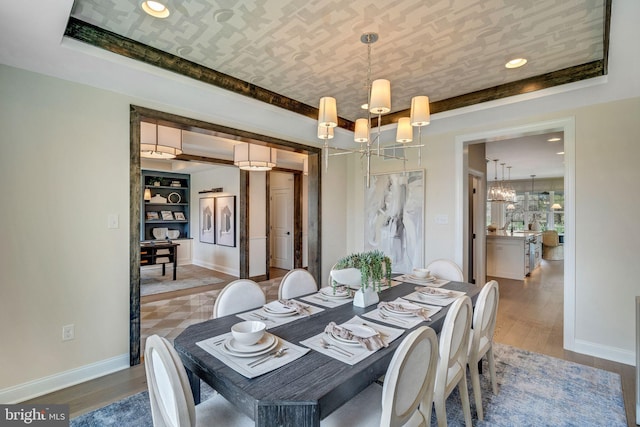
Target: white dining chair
x=170, y=396
x=407, y=394
x=239, y=295
x=446, y=269
x=481, y=341
x=295, y=283
x=452, y=364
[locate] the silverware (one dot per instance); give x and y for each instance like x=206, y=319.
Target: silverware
x=272, y=355
x=385, y=317
x=258, y=316
x=335, y=348
x=379, y=332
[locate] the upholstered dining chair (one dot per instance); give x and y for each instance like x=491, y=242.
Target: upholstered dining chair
x=446, y=269
x=295, y=283
x=170, y=395
x=239, y=295
x=406, y=395
x=452, y=364
x=481, y=341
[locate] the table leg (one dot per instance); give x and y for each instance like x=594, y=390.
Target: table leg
x=194, y=382
x=163, y=264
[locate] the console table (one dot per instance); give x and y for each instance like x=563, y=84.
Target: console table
x=159, y=253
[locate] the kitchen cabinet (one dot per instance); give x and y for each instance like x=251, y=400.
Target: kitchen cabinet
x=513, y=255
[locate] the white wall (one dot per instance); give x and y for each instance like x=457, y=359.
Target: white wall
x=216, y=257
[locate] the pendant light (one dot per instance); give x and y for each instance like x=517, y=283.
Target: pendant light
x=159, y=142
x=254, y=157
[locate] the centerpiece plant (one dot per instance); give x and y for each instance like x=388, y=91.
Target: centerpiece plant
x=374, y=266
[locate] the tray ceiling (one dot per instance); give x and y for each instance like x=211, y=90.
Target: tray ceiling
x=291, y=53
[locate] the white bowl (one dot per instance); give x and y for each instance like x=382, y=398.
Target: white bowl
x=248, y=332
x=173, y=234
x=422, y=273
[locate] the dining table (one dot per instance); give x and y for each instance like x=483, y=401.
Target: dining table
x=309, y=388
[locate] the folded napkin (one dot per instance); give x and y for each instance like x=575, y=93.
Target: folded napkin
x=418, y=311
x=432, y=291
x=371, y=343
x=297, y=306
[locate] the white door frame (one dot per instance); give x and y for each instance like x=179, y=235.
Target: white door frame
x=568, y=126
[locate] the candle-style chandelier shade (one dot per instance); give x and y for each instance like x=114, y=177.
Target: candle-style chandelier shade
x=378, y=102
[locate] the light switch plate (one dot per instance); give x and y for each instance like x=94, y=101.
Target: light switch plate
x=442, y=219
x=113, y=221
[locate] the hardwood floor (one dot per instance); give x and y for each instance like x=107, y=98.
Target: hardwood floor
x=519, y=324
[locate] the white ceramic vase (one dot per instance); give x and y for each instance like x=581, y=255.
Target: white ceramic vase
x=366, y=297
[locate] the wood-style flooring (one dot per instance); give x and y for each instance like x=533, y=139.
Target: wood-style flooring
x=520, y=324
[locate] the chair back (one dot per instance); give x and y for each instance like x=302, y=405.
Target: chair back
x=446, y=269
x=484, y=320
x=454, y=345
x=239, y=295
x=410, y=378
x=550, y=238
x=295, y=283
x=170, y=396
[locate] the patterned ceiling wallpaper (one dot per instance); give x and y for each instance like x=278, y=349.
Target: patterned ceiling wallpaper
x=306, y=49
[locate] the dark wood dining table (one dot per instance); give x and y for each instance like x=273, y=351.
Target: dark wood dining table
x=308, y=389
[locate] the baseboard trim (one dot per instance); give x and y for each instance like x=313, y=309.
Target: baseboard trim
x=45, y=385
x=604, y=352
x=220, y=268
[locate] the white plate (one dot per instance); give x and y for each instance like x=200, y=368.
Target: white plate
x=328, y=292
x=275, y=308
x=231, y=348
x=266, y=341
x=402, y=313
x=360, y=331
x=422, y=279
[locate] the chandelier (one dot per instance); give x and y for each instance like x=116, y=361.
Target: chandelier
x=378, y=103
x=499, y=190
x=159, y=142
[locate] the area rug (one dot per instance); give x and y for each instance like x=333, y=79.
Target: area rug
x=534, y=390
x=152, y=287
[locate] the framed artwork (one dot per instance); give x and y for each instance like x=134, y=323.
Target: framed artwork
x=167, y=215
x=152, y=216
x=179, y=216
x=394, y=218
x=207, y=226
x=226, y=220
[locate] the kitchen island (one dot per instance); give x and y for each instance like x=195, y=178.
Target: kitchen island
x=513, y=255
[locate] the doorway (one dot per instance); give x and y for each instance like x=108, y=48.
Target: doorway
x=567, y=126
x=282, y=220
x=138, y=114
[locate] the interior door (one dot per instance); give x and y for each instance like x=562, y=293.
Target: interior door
x=282, y=227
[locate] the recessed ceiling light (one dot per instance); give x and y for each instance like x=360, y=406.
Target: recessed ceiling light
x=365, y=106
x=515, y=63
x=556, y=139
x=560, y=152
x=155, y=9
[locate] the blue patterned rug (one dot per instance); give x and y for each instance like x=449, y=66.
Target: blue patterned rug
x=533, y=390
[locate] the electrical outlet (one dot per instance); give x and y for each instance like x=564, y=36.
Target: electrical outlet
x=68, y=332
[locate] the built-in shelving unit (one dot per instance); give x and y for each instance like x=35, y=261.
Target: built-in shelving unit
x=168, y=208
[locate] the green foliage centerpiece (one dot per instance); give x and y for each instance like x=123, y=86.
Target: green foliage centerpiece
x=375, y=269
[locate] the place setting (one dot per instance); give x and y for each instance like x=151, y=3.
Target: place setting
x=250, y=350
x=353, y=340
x=433, y=296
x=279, y=312
x=402, y=313
x=423, y=277
x=331, y=296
